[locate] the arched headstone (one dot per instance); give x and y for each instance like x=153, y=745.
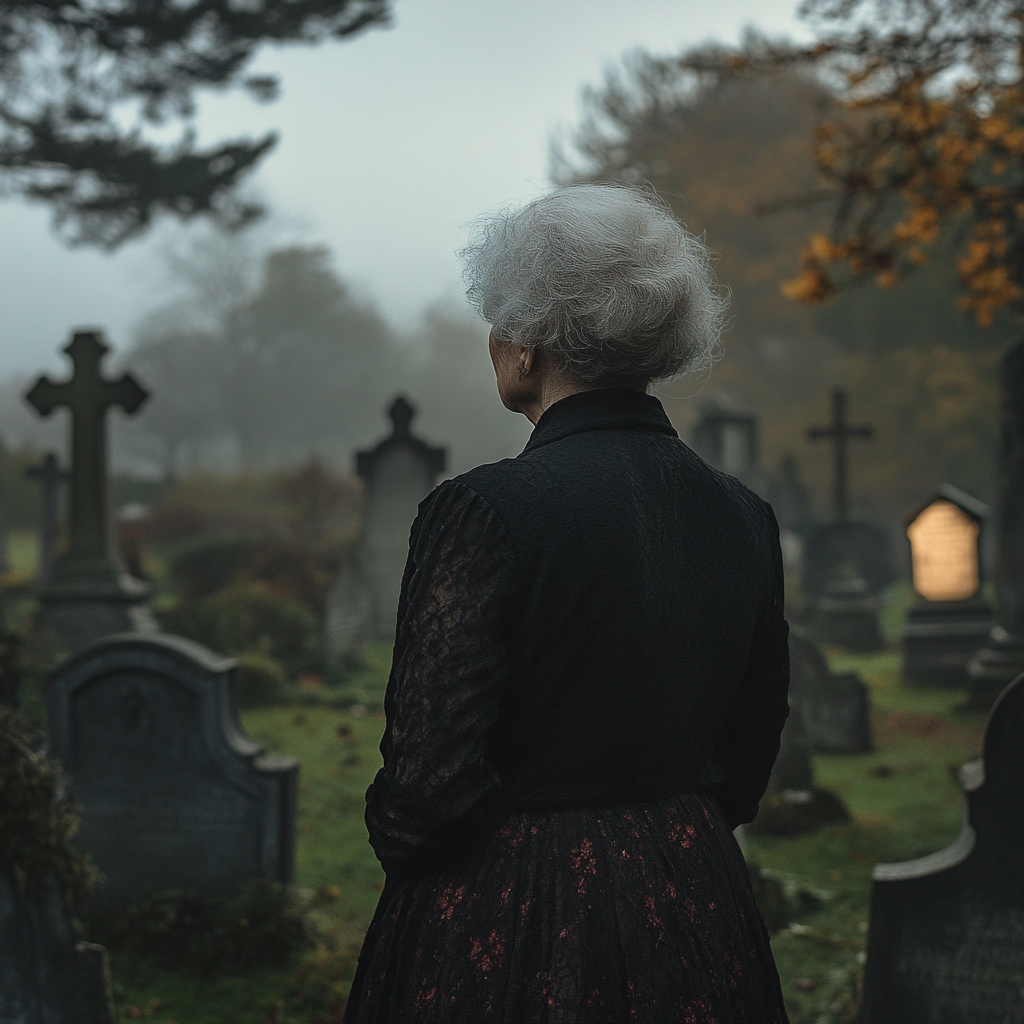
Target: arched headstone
x=172, y=793
x=950, y=619
x=946, y=934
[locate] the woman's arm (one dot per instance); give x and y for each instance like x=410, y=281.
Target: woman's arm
x=750, y=740
x=447, y=679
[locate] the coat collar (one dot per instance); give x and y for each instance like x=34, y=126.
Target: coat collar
x=606, y=409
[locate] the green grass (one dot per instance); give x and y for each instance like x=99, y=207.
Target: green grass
x=903, y=797
x=338, y=755
x=905, y=802
x=23, y=552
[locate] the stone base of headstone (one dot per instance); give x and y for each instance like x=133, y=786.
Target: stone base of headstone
x=847, y=617
x=997, y=664
x=797, y=812
x=85, y=600
x=172, y=793
x=946, y=932
x=46, y=977
x=940, y=638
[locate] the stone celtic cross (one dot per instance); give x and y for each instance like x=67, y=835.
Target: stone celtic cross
x=840, y=432
x=88, y=395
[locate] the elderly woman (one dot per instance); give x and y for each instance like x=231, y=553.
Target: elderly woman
x=591, y=664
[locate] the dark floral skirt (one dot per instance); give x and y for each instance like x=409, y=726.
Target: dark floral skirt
x=641, y=913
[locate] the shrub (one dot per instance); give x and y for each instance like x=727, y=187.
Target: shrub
x=263, y=926
x=259, y=681
x=249, y=618
x=38, y=820
x=210, y=563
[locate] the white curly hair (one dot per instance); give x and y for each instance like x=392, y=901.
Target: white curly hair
x=602, y=276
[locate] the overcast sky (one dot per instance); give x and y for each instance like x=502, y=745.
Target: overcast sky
x=391, y=142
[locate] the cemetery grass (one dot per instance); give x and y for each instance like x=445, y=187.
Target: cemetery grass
x=904, y=800
x=337, y=749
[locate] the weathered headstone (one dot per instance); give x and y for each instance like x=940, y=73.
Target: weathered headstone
x=950, y=619
x=835, y=707
x=1002, y=657
x=46, y=977
x=50, y=477
x=946, y=933
x=793, y=804
x=792, y=771
x=88, y=594
x=727, y=438
x=398, y=474
x=789, y=497
x=173, y=794
x=846, y=613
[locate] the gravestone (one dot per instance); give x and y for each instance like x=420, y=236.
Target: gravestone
x=88, y=594
x=1001, y=658
x=946, y=933
x=398, y=474
x=792, y=771
x=46, y=977
x=727, y=438
x=950, y=619
x=50, y=477
x=173, y=794
x=834, y=707
x=846, y=612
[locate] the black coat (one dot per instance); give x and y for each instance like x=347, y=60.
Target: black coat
x=597, y=622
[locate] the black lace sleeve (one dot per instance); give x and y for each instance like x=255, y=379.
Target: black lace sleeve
x=447, y=679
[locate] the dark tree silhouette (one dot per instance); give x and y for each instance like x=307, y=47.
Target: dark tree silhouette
x=70, y=70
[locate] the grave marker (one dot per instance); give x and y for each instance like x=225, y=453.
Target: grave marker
x=50, y=477
x=1001, y=658
x=727, y=438
x=46, y=977
x=946, y=935
x=398, y=473
x=950, y=619
x=834, y=707
x=846, y=613
x=88, y=594
x=173, y=794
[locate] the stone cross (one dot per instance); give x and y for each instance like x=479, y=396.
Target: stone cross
x=50, y=477
x=88, y=394
x=840, y=433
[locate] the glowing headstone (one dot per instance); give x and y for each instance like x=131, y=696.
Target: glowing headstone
x=944, y=551
x=950, y=620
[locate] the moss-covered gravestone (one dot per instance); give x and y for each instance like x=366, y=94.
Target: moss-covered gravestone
x=46, y=975
x=946, y=935
x=172, y=793
x=834, y=707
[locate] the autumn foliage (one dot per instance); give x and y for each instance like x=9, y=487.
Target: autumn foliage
x=924, y=133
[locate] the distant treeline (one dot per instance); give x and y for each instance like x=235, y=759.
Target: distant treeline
x=264, y=361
